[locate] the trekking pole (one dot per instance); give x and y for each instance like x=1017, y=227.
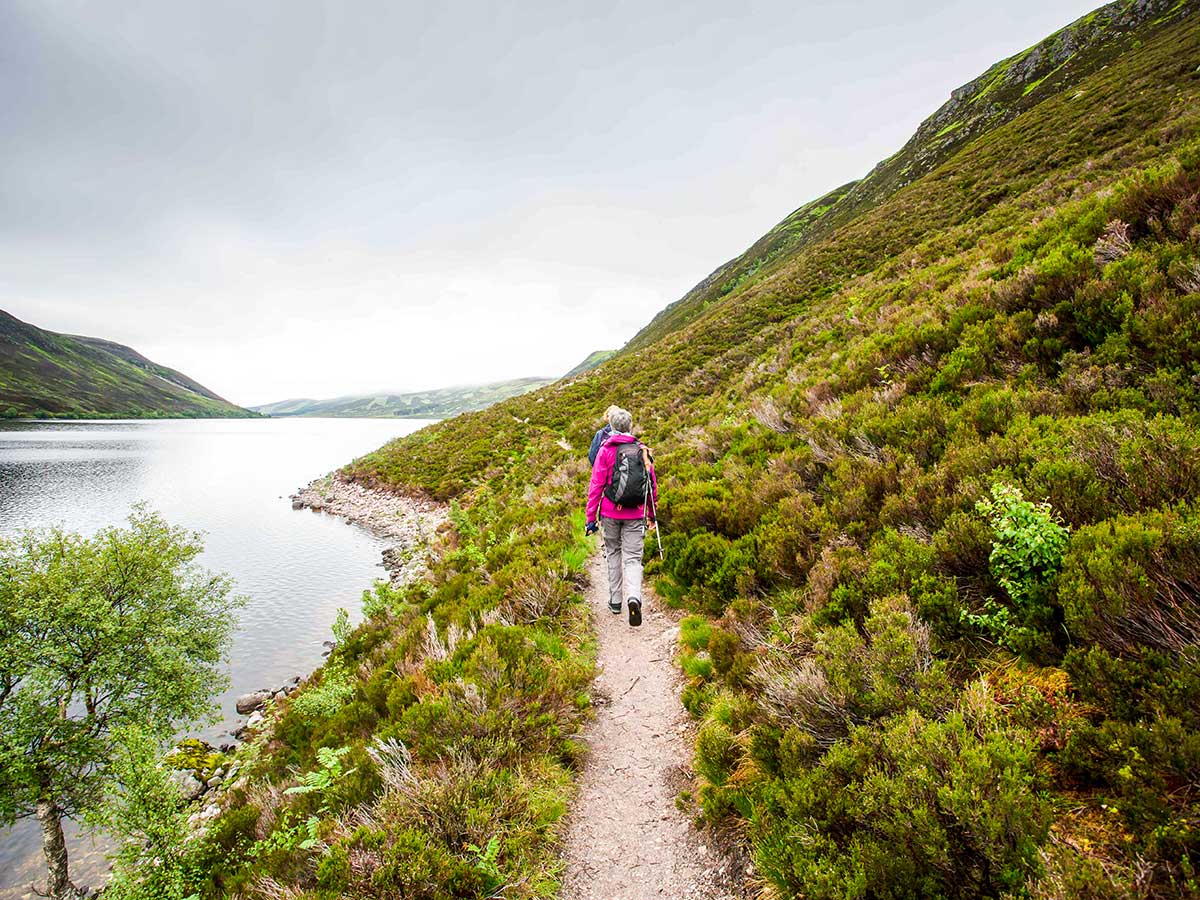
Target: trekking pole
x=648, y=500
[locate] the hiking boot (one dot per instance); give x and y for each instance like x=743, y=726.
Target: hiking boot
x=635, y=611
x=614, y=607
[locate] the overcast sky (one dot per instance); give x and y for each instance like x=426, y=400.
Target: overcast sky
x=294, y=199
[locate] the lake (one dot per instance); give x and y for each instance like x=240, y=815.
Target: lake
x=228, y=478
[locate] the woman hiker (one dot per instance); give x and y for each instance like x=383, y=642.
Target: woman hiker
x=622, y=478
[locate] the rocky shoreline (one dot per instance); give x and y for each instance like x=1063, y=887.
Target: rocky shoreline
x=408, y=525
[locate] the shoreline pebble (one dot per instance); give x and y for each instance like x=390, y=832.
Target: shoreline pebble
x=408, y=525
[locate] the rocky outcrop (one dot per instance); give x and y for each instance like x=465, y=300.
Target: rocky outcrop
x=408, y=525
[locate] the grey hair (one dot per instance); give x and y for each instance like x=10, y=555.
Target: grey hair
x=622, y=421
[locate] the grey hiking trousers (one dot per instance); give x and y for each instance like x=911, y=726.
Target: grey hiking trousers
x=623, y=540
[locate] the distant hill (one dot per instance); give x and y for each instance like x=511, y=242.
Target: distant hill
x=46, y=374
x=595, y=358
x=441, y=403
x=435, y=404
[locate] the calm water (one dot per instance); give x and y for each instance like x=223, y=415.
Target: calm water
x=229, y=478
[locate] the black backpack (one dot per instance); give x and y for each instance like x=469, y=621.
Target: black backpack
x=629, y=481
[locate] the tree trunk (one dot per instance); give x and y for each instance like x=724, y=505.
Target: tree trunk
x=54, y=846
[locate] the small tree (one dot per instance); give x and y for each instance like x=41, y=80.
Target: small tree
x=145, y=810
x=104, y=634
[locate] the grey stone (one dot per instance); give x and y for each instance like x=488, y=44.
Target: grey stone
x=188, y=784
x=248, y=703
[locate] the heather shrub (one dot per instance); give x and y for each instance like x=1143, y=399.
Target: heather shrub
x=1132, y=582
x=1151, y=685
x=716, y=751
x=848, y=677
x=962, y=808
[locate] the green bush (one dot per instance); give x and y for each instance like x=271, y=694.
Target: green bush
x=912, y=808
x=1026, y=555
x=324, y=698
x=1132, y=582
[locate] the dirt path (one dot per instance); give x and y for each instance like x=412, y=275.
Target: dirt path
x=626, y=839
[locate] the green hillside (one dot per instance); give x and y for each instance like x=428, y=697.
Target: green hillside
x=440, y=403
x=999, y=95
x=595, y=358
x=44, y=374
x=930, y=468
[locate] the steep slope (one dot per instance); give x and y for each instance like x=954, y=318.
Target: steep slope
x=150, y=367
x=47, y=374
x=439, y=403
x=908, y=679
x=999, y=95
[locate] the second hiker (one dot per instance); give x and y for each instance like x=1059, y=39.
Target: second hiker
x=602, y=434
x=623, y=480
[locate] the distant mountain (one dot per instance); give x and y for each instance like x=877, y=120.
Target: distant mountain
x=595, y=358
x=435, y=404
x=46, y=374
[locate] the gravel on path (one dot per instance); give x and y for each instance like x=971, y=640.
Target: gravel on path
x=626, y=839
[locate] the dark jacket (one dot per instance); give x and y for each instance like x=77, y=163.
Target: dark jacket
x=598, y=442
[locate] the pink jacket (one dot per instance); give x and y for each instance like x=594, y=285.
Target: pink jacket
x=602, y=474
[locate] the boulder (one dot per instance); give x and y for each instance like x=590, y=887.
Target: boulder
x=188, y=784
x=256, y=719
x=297, y=503
x=248, y=703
